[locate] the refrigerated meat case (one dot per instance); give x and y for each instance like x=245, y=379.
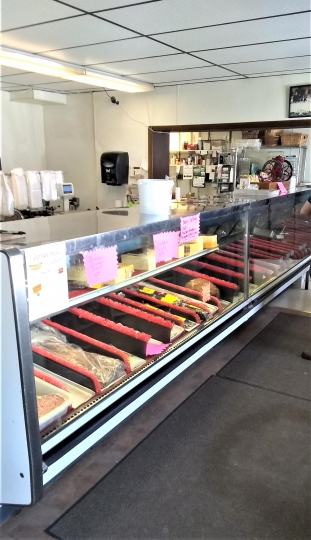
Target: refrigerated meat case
x=152, y=325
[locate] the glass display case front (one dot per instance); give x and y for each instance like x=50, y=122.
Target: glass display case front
x=110, y=310
x=161, y=292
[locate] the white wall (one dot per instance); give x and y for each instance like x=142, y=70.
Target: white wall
x=70, y=145
x=22, y=135
x=219, y=102
x=75, y=135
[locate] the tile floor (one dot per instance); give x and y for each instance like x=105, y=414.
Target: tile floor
x=30, y=523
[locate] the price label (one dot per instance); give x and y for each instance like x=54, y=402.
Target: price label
x=100, y=265
x=189, y=228
x=166, y=246
x=282, y=188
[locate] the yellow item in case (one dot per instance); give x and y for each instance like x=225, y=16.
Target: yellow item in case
x=210, y=241
x=77, y=274
x=169, y=298
x=140, y=261
x=181, y=251
x=194, y=247
x=146, y=290
x=124, y=272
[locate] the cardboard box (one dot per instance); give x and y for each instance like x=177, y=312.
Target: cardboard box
x=272, y=185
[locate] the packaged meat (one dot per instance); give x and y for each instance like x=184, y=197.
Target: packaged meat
x=106, y=369
x=52, y=403
x=46, y=404
x=198, y=284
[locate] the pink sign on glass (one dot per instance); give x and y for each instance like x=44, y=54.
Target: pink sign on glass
x=100, y=265
x=166, y=246
x=155, y=348
x=189, y=228
x=282, y=188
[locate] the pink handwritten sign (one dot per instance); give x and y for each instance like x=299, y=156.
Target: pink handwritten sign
x=189, y=228
x=166, y=246
x=100, y=265
x=282, y=188
x=155, y=348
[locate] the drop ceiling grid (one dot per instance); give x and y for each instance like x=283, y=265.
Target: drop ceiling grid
x=258, y=52
x=165, y=54
x=295, y=26
x=127, y=49
x=173, y=15
x=154, y=64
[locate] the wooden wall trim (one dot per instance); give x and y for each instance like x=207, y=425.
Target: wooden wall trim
x=275, y=124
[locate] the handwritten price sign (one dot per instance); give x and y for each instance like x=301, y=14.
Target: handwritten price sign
x=189, y=228
x=165, y=246
x=100, y=265
x=282, y=188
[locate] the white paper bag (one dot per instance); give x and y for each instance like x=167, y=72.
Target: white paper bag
x=19, y=188
x=34, y=189
x=49, y=187
x=6, y=197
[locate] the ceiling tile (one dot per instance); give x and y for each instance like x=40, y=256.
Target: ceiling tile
x=201, y=81
x=68, y=86
x=295, y=26
x=158, y=63
x=67, y=33
x=96, y=5
x=16, y=13
x=183, y=75
x=14, y=89
x=286, y=64
x=111, y=52
x=4, y=84
x=30, y=79
x=171, y=15
x=5, y=71
x=279, y=74
x=266, y=51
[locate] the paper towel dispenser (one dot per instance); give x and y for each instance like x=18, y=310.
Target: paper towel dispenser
x=114, y=168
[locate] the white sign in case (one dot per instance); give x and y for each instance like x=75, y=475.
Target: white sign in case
x=46, y=272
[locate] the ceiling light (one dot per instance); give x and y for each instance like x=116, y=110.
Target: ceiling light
x=114, y=82
x=38, y=64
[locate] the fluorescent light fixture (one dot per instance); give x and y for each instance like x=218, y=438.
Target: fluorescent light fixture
x=37, y=64
x=115, y=82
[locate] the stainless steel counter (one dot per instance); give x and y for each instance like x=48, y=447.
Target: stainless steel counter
x=129, y=222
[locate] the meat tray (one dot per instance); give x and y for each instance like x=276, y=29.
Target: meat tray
x=44, y=388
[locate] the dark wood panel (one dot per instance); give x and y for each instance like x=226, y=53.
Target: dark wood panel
x=280, y=124
x=158, y=154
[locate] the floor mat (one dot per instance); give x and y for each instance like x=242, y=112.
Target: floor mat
x=273, y=360
x=231, y=462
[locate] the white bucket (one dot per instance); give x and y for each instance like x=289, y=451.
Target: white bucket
x=155, y=196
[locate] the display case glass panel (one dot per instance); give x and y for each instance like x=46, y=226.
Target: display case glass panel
x=279, y=239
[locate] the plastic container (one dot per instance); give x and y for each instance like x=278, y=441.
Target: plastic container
x=44, y=388
x=155, y=196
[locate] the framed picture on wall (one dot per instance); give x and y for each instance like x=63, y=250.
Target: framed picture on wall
x=299, y=101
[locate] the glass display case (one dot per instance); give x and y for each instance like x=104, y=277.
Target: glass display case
x=95, y=325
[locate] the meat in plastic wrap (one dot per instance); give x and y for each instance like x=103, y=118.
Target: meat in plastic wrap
x=106, y=369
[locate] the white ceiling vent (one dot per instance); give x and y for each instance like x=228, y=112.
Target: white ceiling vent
x=39, y=97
